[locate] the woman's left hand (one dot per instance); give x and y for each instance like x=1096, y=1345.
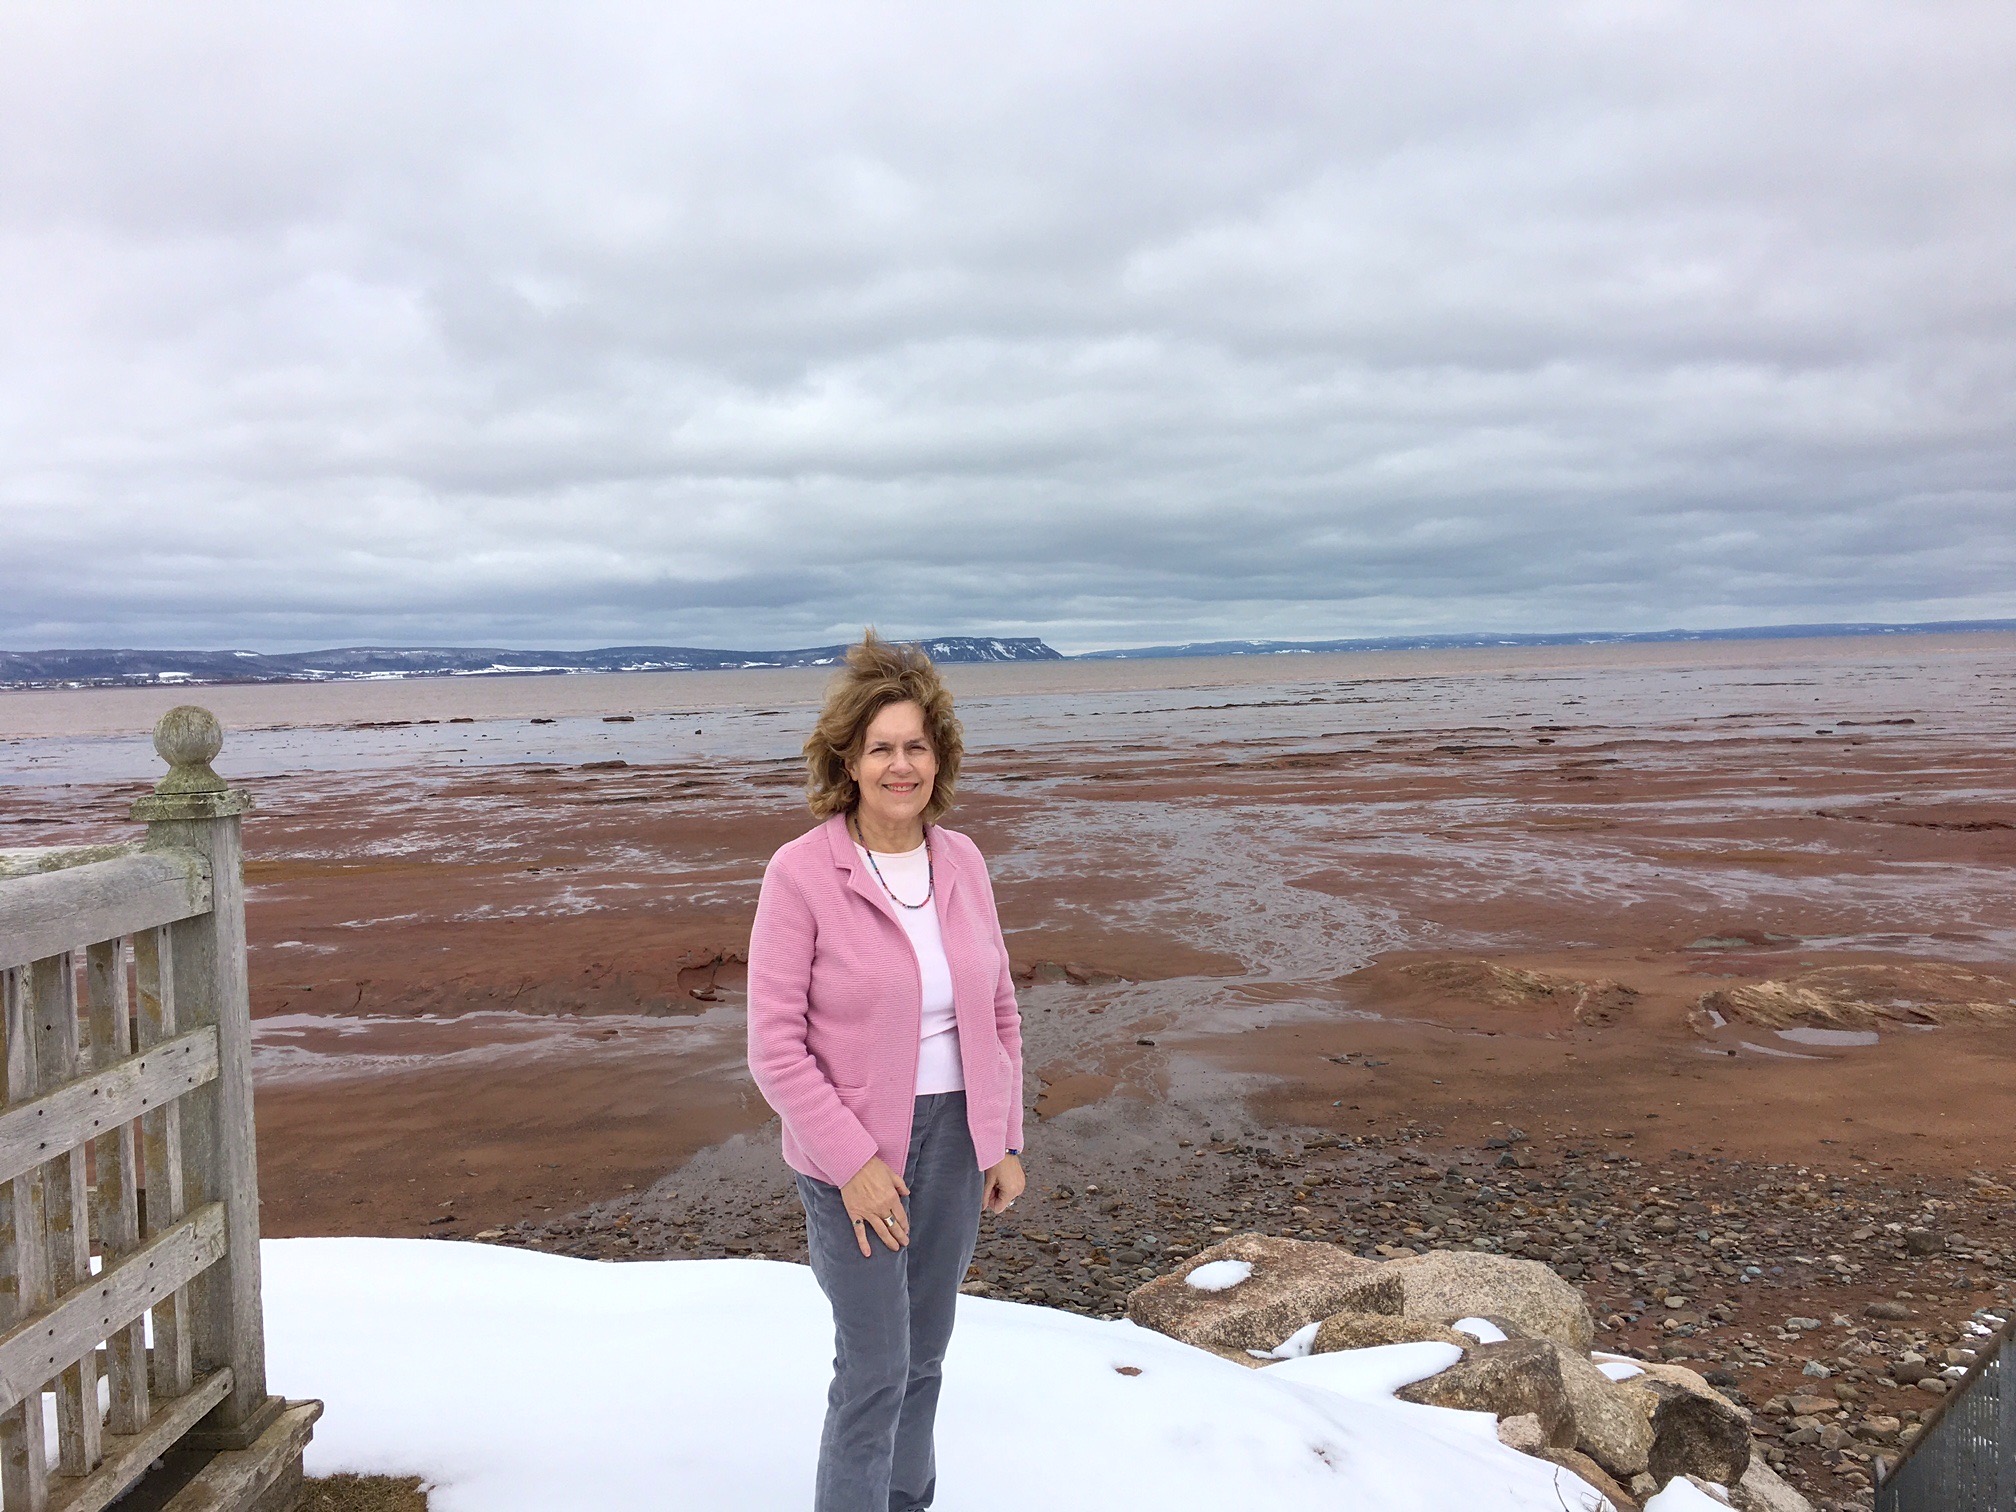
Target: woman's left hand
x=1004, y=1184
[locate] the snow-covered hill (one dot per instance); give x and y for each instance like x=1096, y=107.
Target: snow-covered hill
x=136, y=668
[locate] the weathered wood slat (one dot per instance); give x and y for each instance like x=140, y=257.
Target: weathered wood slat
x=172, y=1358
x=32, y=860
x=51, y=912
x=117, y=1218
x=269, y=1476
x=127, y=1456
x=220, y=1139
x=36, y=1348
x=57, y=1053
x=24, y=1469
x=91, y=1107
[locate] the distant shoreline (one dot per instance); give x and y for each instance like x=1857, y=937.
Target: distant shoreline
x=86, y=669
x=1470, y=641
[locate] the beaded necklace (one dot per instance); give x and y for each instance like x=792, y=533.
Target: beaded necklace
x=930, y=872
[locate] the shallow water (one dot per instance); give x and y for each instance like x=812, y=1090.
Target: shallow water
x=1803, y=1036
x=1689, y=691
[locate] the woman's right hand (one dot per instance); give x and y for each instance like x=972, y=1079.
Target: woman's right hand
x=874, y=1205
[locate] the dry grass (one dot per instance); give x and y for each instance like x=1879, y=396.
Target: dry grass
x=363, y=1493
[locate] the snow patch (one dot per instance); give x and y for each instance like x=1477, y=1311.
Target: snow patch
x=1219, y=1275
x=1295, y=1347
x=1682, y=1495
x=512, y=1381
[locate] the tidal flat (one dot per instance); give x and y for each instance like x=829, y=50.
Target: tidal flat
x=1688, y=968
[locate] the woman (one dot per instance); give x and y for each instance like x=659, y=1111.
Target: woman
x=883, y=1029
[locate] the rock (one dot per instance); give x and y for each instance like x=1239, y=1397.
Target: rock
x=1523, y=1433
x=1882, y=1427
x=1512, y=1379
x=1693, y=1432
x=1762, y=1490
x=1356, y=1330
x=1889, y=1312
x=1592, y=1472
x=1809, y=1406
x=1710, y=1489
x=1293, y=1283
x=1691, y=1380
x=1920, y=1241
x=1609, y=1427
x=1455, y=1284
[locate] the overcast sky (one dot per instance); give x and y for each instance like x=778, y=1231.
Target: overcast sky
x=743, y=324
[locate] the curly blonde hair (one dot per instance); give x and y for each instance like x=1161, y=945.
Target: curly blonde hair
x=879, y=674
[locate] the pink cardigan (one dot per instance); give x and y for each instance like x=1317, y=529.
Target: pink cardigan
x=835, y=1002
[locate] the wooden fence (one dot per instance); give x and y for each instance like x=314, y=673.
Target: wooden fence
x=129, y=1193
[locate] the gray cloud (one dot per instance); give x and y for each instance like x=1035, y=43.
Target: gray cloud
x=1110, y=323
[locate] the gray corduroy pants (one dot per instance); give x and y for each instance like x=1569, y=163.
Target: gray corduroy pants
x=892, y=1318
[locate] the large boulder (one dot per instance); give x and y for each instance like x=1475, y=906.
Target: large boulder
x=1693, y=1432
x=1377, y=1290
x=1464, y=1283
x=1358, y=1330
x=1257, y=1291
x=1609, y=1426
x=1511, y=1379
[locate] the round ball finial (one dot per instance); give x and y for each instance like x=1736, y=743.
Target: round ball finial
x=187, y=737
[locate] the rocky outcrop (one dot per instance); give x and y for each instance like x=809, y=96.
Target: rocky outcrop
x=1597, y=1003
x=1867, y=997
x=1461, y=1283
x=1288, y=1284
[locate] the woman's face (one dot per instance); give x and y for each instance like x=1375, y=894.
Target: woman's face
x=897, y=769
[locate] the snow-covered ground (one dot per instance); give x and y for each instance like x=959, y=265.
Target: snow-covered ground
x=510, y=1380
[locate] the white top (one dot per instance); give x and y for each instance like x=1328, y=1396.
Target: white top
x=909, y=877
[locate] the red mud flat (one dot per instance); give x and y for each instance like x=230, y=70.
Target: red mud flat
x=492, y=994
x=1606, y=1046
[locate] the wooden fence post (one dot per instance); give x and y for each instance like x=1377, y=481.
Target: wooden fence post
x=192, y=807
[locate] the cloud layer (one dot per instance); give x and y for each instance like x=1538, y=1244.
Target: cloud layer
x=1121, y=323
